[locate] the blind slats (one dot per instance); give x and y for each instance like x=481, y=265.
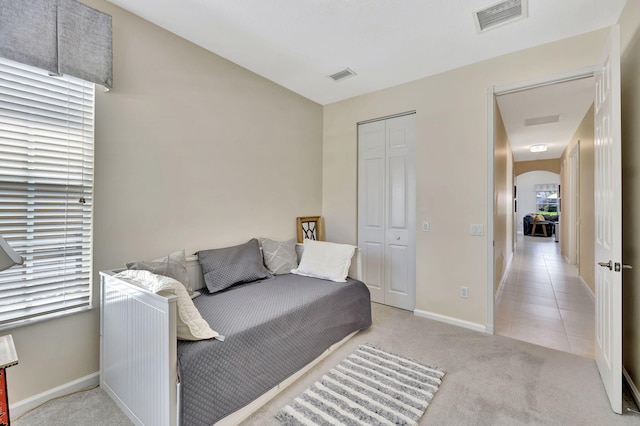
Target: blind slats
x=24, y=294
x=46, y=192
x=44, y=307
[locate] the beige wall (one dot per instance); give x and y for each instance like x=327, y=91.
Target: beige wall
x=584, y=137
x=502, y=199
x=630, y=35
x=552, y=166
x=192, y=152
x=451, y=166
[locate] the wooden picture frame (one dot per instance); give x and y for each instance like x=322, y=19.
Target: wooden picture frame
x=310, y=227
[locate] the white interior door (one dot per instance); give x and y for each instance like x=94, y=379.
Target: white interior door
x=371, y=206
x=386, y=209
x=608, y=221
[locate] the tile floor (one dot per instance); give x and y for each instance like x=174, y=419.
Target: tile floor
x=543, y=300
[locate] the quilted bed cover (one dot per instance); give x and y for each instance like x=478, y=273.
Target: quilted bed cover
x=273, y=328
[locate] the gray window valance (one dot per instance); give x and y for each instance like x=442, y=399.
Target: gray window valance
x=60, y=36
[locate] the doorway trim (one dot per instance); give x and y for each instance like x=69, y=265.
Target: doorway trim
x=492, y=93
x=573, y=196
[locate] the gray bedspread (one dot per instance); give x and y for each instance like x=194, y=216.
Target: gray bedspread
x=273, y=328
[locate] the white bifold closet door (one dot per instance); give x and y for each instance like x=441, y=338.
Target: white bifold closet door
x=386, y=209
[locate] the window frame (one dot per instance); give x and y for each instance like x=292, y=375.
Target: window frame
x=543, y=206
x=47, y=136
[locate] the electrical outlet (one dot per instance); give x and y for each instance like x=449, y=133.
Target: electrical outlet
x=477, y=229
x=464, y=292
x=426, y=227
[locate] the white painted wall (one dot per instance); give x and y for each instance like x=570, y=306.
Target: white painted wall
x=526, y=184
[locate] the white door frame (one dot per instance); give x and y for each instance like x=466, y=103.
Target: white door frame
x=573, y=216
x=492, y=92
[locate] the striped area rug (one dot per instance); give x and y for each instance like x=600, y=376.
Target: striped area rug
x=369, y=387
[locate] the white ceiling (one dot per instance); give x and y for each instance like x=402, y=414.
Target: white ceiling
x=298, y=43
x=570, y=100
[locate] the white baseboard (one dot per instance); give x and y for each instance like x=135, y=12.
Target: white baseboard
x=632, y=386
x=584, y=283
x=19, y=408
x=453, y=321
x=498, y=294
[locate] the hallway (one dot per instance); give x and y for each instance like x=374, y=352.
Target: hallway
x=543, y=300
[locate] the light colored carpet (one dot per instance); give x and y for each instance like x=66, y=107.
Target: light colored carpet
x=370, y=386
x=491, y=380
x=89, y=408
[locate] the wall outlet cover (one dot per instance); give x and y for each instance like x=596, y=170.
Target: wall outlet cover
x=477, y=229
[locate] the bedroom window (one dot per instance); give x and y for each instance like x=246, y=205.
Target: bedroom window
x=46, y=192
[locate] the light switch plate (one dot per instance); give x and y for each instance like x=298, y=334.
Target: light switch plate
x=426, y=227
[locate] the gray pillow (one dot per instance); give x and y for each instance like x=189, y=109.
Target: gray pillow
x=174, y=265
x=225, y=267
x=279, y=256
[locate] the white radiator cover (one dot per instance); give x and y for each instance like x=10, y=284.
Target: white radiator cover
x=138, y=367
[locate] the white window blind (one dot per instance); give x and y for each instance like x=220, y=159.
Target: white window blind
x=46, y=192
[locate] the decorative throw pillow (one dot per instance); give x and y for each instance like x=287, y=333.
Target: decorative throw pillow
x=190, y=324
x=224, y=267
x=279, y=256
x=174, y=265
x=329, y=261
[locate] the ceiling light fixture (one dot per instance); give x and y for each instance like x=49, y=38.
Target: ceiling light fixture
x=538, y=148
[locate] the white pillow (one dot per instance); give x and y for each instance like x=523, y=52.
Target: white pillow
x=329, y=261
x=190, y=324
x=174, y=265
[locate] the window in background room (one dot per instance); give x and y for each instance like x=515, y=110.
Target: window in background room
x=547, y=199
x=46, y=192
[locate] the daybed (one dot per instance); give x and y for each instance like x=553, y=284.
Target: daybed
x=274, y=329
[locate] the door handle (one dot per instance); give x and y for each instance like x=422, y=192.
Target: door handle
x=618, y=267
x=606, y=265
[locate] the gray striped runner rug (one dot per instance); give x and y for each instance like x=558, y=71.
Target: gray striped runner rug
x=369, y=387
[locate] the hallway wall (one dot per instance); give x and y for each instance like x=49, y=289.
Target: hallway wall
x=503, y=201
x=552, y=165
x=584, y=137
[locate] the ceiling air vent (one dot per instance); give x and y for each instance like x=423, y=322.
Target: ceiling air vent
x=341, y=75
x=500, y=13
x=542, y=120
